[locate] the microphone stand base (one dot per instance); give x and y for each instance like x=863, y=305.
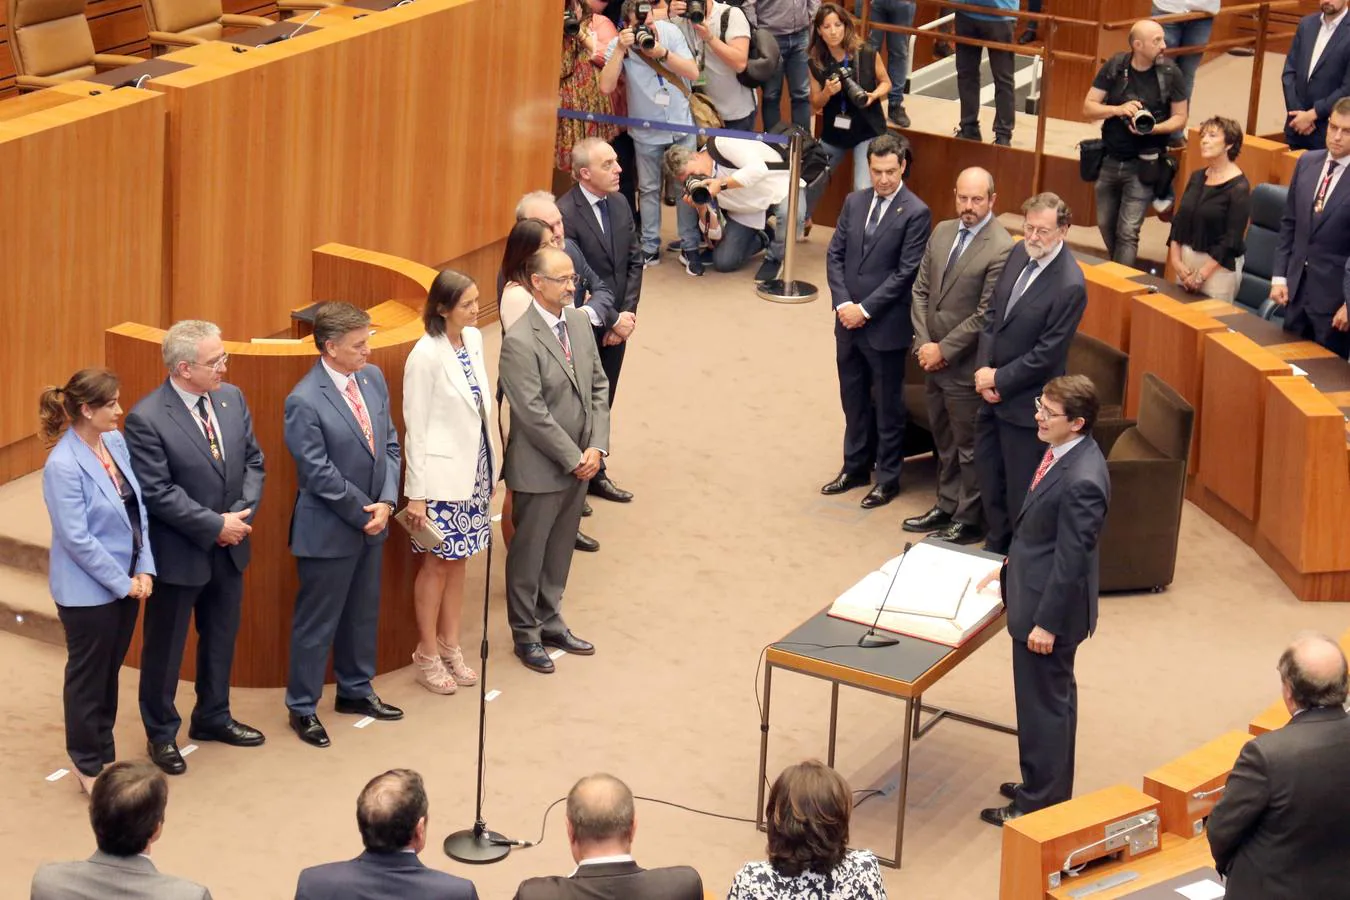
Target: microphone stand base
x=780, y=291
x=873, y=639
x=476, y=847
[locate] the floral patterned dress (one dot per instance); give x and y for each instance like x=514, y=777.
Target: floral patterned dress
x=857, y=877
x=579, y=88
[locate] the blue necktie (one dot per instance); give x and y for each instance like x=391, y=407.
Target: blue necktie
x=873, y=218
x=961, y=237
x=1021, y=286
x=603, y=208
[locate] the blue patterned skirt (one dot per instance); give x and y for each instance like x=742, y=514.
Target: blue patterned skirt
x=467, y=524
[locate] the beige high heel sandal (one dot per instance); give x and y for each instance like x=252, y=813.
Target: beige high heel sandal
x=453, y=658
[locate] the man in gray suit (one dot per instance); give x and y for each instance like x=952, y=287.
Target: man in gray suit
x=600, y=829
x=126, y=810
x=339, y=430
x=550, y=371
x=963, y=262
x=201, y=471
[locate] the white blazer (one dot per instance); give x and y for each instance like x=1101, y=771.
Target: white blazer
x=444, y=424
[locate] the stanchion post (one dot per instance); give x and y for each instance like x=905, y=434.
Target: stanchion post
x=784, y=288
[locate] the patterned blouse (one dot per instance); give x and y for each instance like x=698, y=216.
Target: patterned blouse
x=857, y=877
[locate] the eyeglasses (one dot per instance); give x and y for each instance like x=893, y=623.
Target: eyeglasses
x=1042, y=412
x=569, y=280
x=1038, y=231
x=215, y=365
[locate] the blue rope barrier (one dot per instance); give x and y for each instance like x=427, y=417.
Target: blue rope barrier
x=671, y=126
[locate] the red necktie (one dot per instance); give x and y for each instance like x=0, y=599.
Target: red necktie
x=1320, y=201
x=1043, y=468
x=359, y=409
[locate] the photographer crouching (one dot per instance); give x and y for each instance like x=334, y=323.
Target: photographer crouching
x=745, y=180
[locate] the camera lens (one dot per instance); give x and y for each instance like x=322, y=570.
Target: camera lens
x=1144, y=121
x=853, y=91
x=571, y=24
x=693, y=186
x=643, y=37
x=696, y=11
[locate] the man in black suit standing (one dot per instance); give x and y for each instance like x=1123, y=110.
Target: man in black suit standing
x=871, y=265
x=1033, y=314
x=201, y=471
x=1049, y=584
x=1279, y=833
x=600, y=220
x=600, y=828
x=1316, y=75
x=392, y=815
x=1315, y=241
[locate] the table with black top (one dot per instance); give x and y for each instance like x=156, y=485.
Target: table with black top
x=827, y=648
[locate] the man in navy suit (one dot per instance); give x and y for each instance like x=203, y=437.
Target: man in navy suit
x=871, y=265
x=1316, y=75
x=392, y=815
x=1314, y=245
x=338, y=429
x=1049, y=585
x=201, y=473
x=1033, y=314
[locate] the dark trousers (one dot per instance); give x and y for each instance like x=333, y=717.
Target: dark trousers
x=338, y=609
x=1047, y=724
x=968, y=74
x=215, y=608
x=1122, y=204
x=627, y=157
x=1313, y=326
x=611, y=360
x=540, y=560
x=1006, y=457
x=872, y=392
x=97, y=638
x=953, y=407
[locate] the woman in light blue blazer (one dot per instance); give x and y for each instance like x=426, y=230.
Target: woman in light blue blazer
x=101, y=566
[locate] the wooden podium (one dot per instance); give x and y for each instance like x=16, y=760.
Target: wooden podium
x=1188, y=787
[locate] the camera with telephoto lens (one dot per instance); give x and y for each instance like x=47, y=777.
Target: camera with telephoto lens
x=1143, y=121
x=696, y=11
x=697, y=190
x=853, y=91
x=644, y=37
x=571, y=24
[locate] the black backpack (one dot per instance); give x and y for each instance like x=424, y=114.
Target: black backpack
x=815, y=159
x=765, y=62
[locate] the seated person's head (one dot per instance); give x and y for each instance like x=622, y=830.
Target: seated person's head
x=126, y=808
x=392, y=812
x=1313, y=673
x=600, y=818
x=807, y=816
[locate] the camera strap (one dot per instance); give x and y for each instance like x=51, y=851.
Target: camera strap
x=663, y=73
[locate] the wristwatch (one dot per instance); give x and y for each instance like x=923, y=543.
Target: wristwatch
x=393, y=507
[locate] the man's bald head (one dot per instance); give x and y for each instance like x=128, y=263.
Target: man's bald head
x=600, y=810
x=974, y=195
x=1143, y=30
x=1313, y=670
x=975, y=180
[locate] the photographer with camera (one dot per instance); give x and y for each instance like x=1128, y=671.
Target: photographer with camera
x=719, y=35
x=1140, y=98
x=745, y=179
x=578, y=87
x=657, y=67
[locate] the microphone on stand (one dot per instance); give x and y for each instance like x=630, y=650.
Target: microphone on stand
x=870, y=638
x=286, y=37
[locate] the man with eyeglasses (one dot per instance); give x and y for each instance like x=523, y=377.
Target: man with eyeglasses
x=201, y=473
x=1049, y=586
x=1033, y=314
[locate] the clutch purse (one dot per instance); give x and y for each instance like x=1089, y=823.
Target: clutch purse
x=428, y=537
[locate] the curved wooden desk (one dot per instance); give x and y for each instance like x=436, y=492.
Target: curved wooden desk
x=392, y=290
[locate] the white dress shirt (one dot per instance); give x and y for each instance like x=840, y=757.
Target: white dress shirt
x=594, y=200
x=760, y=186
x=340, y=382
x=190, y=401
x=1324, y=33
x=601, y=860
x=1041, y=265
x=1341, y=163
x=1057, y=453
x=973, y=229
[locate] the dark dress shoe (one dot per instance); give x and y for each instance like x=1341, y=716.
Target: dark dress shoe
x=1000, y=549
x=571, y=643
x=535, y=657
x=846, y=481
x=1002, y=140
x=605, y=489
x=999, y=814
x=1009, y=789
x=167, y=757
x=587, y=544
x=585, y=509
x=959, y=533
x=1027, y=37
x=880, y=495
x=371, y=706
x=236, y=734
x=310, y=730
x=933, y=520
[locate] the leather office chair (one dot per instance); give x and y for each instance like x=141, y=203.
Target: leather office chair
x=183, y=23
x=1263, y=238
x=1147, y=462
x=1108, y=368
x=51, y=44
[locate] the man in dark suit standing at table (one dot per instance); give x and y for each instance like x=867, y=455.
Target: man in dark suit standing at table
x=871, y=265
x=1315, y=241
x=340, y=433
x=1279, y=832
x=1316, y=75
x=1049, y=584
x=962, y=264
x=201, y=472
x=600, y=829
x=1033, y=314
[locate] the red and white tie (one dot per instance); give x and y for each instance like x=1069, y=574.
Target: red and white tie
x=1043, y=468
x=359, y=410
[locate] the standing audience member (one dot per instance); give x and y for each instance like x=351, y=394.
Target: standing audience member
x=1049, y=585
x=600, y=829
x=653, y=98
x=1209, y=230
x=1316, y=75
x=1278, y=832
x=550, y=371
x=1033, y=314
x=579, y=86
x=807, y=819
x=871, y=265
x=451, y=470
x=1193, y=33
x=789, y=21
x=1311, y=259
x=340, y=433
x=126, y=810
x=392, y=815
x=986, y=27
x=101, y=566
x=201, y=471
x=721, y=47
x=1140, y=98
x=892, y=12
x=956, y=280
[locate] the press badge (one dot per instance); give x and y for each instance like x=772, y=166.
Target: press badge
x=662, y=98
x=843, y=123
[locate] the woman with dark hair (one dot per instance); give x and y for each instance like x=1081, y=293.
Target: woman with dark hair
x=451, y=466
x=1209, y=229
x=100, y=567
x=527, y=236
x=807, y=818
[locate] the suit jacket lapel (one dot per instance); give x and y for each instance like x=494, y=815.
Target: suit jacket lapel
x=1333, y=201
x=1043, y=278
x=889, y=217
x=582, y=204
x=546, y=336
x=1333, y=46
x=187, y=421
x=454, y=370
x=88, y=461
x=973, y=248
x=330, y=391
x=1052, y=478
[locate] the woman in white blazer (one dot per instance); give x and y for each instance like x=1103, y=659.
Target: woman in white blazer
x=451, y=469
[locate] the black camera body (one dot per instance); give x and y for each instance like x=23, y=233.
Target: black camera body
x=696, y=190
x=696, y=11
x=853, y=92
x=571, y=24
x=644, y=37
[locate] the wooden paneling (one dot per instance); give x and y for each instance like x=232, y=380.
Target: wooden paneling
x=482, y=265
x=1110, y=297
x=1202, y=770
